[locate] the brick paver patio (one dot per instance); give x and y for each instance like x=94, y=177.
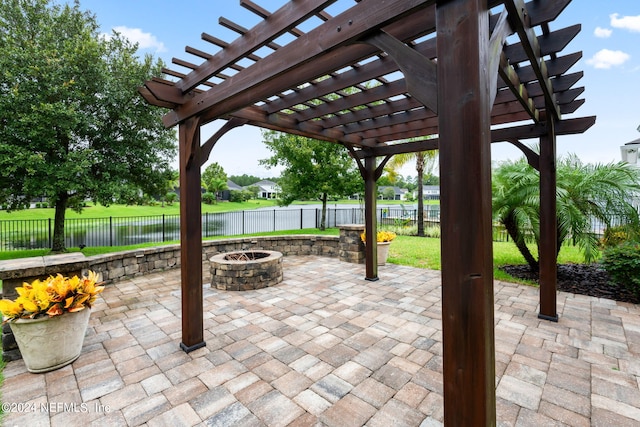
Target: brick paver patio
x=327, y=348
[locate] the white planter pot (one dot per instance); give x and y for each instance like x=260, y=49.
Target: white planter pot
x=50, y=343
x=383, y=252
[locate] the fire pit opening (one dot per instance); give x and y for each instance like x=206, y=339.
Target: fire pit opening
x=245, y=256
x=246, y=270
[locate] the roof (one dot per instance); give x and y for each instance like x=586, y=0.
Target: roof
x=232, y=185
x=266, y=183
x=395, y=189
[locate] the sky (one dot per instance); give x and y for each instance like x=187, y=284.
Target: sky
x=609, y=40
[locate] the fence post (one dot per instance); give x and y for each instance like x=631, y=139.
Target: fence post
x=163, y=230
x=274, y=220
x=301, y=223
x=110, y=231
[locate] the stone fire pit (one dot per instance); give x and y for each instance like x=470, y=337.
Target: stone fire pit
x=246, y=270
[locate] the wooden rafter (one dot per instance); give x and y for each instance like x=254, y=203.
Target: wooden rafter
x=518, y=12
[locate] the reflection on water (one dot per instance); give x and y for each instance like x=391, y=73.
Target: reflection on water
x=33, y=234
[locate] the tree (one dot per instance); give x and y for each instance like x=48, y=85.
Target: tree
x=244, y=180
x=72, y=124
x=425, y=161
x=313, y=169
x=584, y=192
x=388, y=193
x=169, y=184
x=214, y=179
x=216, y=186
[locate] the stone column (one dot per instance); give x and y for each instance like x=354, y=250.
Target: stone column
x=350, y=246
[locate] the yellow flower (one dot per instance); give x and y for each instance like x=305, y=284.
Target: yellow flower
x=10, y=308
x=381, y=236
x=53, y=296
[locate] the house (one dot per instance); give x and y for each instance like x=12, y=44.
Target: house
x=398, y=193
x=430, y=192
x=231, y=186
x=267, y=189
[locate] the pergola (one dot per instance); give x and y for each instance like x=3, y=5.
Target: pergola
x=375, y=78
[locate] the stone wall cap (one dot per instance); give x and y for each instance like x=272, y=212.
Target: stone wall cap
x=59, y=259
x=352, y=227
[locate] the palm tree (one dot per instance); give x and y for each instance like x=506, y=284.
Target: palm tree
x=216, y=185
x=425, y=161
x=584, y=192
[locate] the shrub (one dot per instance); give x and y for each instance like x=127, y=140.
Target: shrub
x=614, y=236
x=622, y=262
x=209, y=198
x=171, y=198
x=432, y=231
x=239, y=195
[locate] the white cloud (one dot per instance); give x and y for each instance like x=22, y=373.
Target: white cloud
x=631, y=23
x=606, y=59
x=602, y=33
x=144, y=40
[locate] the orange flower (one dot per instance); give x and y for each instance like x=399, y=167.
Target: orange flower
x=53, y=296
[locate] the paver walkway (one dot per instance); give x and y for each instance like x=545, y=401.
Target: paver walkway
x=326, y=347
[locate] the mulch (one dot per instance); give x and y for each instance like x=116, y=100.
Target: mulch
x=584, y=279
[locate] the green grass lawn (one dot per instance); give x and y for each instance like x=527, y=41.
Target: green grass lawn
x=100, y=211
x=424, y=252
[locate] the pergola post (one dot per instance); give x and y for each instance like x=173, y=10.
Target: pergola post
x=370, y=219
x=465, y=179
x=191, y=236
x=548, y=225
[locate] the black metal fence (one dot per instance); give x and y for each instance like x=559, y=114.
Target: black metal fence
x=123, y=231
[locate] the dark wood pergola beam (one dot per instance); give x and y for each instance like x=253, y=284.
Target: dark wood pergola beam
x=243, y=89
x=290, y=14
x=419, y=71
x=370, y=112
x=357, y=134
x=557, y=67
x=518, y=89
x=468, y=344
x=563, y=127
x=375, y=94
x=529, y=40
x=545, y=11
x=427, y=124
x=561, y=84
x=552, y=43
x=258, y=117
x=357, y=75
